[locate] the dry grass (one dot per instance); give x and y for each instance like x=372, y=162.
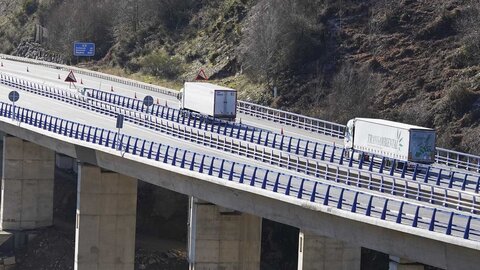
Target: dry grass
x=141, y=77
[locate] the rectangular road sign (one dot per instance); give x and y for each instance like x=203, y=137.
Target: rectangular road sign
x=119, y=121
x=83, y=49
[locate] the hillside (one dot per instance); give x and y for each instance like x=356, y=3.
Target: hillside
x=410, y=61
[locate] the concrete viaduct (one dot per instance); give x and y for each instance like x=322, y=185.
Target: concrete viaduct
x=225, y=218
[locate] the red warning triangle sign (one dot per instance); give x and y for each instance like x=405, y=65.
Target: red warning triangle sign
x=70, y=77
x=201, y=76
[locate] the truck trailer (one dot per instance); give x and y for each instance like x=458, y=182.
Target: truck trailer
x=209, y=99
x=390, y=139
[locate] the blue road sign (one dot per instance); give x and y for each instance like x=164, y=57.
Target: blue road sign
x=13, y=96
x=83, y=49
x=148, y=101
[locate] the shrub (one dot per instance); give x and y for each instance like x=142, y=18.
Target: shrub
x=159, y=63
x=469, y=27
x=439, y=28
x=470, y=142
x=30, y=6
x=383, y=15
x=468, y=54
x=459, y=99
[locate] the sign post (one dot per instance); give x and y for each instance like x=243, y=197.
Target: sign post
x=71, y=79
x=119, y=126
x=13, y=96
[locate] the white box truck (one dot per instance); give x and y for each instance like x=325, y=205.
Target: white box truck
x=391, y=139
x=209, y=99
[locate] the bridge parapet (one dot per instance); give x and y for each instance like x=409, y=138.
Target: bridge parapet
x=344, y=198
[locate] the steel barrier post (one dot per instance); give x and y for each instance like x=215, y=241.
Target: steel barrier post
x=300, y=190
x=287, y=191
x=230, y=177
x=431, y=227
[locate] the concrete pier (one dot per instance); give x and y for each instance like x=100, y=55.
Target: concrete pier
x=106, y=216
x=27, y=185
x=323, y=253
x=222, y=239
x=397, y=263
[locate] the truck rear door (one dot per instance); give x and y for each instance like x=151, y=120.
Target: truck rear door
x=225, y=103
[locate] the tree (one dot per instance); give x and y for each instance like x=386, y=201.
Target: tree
x=352, y=94
x=73, y=20
x=469, y=27
x=279, y=37
x=261, y=40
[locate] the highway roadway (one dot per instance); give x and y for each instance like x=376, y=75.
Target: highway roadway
x=49, y=77
x=424, y=192
x=20, y=71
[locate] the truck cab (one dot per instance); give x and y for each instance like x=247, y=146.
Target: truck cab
x=349, y=131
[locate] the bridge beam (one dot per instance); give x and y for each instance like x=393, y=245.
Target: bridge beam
x=224, y=239
x=27, y=185
x=322, y=253
x=106, y=220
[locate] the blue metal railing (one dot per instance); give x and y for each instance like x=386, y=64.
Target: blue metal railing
x=444, y=197
x=388, y=209
x=444, y=156
x=291, y=119
x=315, y=150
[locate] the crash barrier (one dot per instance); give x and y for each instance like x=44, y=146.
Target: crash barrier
x=378, y=207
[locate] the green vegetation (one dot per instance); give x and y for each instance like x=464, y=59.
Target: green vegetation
x=460, y=99
x=159, y=63
x=30, y=6
x=469, y=26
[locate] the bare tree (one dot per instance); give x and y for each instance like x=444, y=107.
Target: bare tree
x=73, y=20
x=352, y=95
x=280, y=36
x=469, y=27
x=262, y=39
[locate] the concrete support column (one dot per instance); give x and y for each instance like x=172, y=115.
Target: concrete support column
x=397, y=263
x=323, y=253
x=222, y=239
x=27, y=185
x=106, y=216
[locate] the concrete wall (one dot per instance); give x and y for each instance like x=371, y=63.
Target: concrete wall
x=66, y=163
x=106, y=215
x=323, y=253
x=27, y=185
x=223, y=239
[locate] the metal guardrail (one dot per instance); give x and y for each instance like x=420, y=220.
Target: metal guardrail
x=393, y=210
x=448, y=157
x=459, y=160
x=293, y=163
x=295, y=146
x=141, y=85
x=444, y=156
x=346, y=174
x=291, y=119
